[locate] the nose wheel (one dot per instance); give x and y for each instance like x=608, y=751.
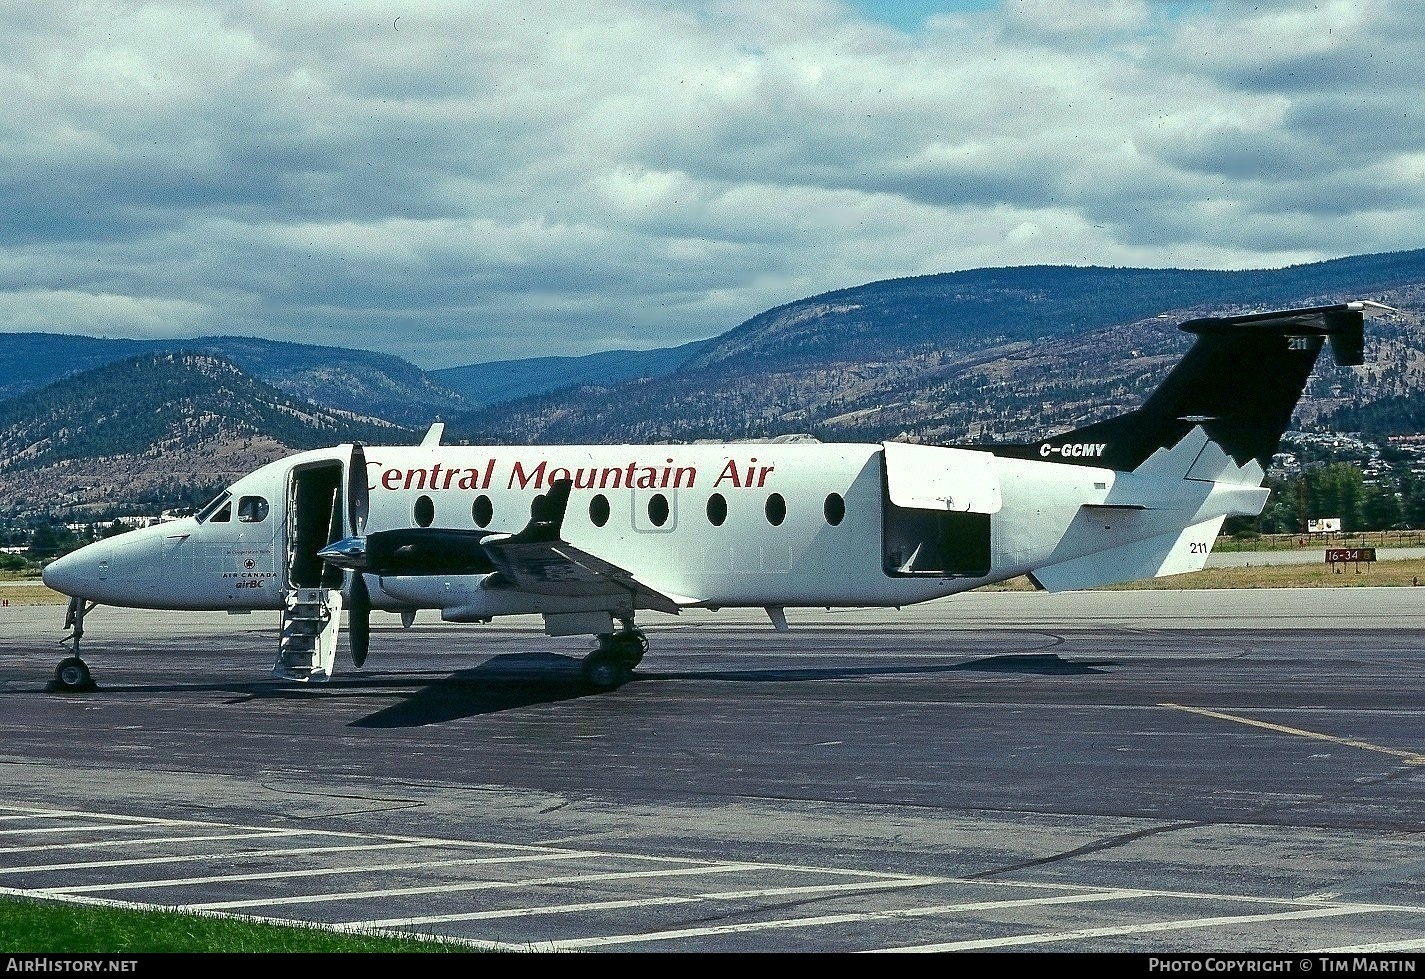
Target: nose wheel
x=72, y=674
x=611, y=664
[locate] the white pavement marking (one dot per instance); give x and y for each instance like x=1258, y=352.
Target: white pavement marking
x=1409, y=757
x=1059, y=894
x=765, y=892
x=299, y=851
x=155, y=840
x=1404, y=945
x=86, y=828
x=478, y=886
x=90, y=814
x=840, y=919
x=130, y=885
x=1151, y=927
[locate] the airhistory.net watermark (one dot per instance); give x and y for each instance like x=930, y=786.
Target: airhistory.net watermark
x=57, y=963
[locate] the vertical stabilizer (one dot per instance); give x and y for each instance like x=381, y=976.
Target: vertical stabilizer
x=1240, y=381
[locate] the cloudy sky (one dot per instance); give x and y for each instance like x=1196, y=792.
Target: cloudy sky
x=463, y=182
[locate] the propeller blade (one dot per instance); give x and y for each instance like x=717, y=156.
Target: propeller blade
x=359, y=626
x=358, y=495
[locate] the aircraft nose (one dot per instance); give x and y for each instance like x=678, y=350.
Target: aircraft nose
x=78, y=571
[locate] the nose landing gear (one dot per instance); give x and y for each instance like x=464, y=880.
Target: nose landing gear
x=72, y=674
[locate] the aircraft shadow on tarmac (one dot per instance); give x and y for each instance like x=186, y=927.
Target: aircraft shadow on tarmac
x=524, y=679
x=514, y=680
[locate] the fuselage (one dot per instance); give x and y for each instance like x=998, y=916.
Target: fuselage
x=732, y=524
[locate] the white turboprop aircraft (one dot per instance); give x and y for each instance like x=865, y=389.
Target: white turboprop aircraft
x=587, y=536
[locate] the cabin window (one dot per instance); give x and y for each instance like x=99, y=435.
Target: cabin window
x=717, y=509
x=834, y=508
x=424, y=511
x=599, y=510
x=658, y=509
x=252, y=509
x=217, y=503
x=482, y=511
x=776, y=509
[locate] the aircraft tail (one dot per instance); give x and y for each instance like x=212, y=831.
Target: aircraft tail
x=1240, y=381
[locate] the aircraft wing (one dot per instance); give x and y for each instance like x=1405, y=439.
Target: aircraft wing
x=538, y=560
x=554, y=567
x=535, y=560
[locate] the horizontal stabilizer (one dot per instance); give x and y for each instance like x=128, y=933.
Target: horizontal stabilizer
x=1156, y=557
x=1343, y=324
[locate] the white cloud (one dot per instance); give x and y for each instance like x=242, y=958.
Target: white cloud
x=463, y=182
x=1094, y=19
x=98, y=313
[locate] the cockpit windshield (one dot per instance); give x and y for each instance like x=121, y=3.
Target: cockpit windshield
x=217, y=504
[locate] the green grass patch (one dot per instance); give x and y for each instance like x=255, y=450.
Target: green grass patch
x=36, y=592
x=1403, y=573
x=44, y=927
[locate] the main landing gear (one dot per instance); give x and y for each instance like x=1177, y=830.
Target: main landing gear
x=72, y=674
x=611, y=663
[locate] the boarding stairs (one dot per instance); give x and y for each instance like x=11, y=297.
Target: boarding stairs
x=311, y=620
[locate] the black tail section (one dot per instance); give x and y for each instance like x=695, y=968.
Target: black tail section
x=1240, y=381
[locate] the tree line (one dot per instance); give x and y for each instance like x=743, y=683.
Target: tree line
x=1392, y=500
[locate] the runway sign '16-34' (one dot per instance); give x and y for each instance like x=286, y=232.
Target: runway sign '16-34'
x=1349, y=555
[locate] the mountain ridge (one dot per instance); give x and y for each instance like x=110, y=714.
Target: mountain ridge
x=992, y=355
x=988, y=355
x=203, y=422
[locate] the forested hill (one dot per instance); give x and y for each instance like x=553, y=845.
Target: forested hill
x=987, y=355
x=178, y=420
x=359, y=381
x=982, y=306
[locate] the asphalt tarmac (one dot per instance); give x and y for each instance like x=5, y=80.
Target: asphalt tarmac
x=1146, y=772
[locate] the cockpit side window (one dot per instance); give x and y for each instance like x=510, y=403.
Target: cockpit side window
x=218, y=510
x=252, y=509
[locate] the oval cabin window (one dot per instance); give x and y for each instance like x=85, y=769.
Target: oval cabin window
x=776, y=509
x=658, y=509
x=717, y=509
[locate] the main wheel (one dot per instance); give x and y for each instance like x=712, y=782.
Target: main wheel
x=629, y=646
x=72, y=673
x=605, y=669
